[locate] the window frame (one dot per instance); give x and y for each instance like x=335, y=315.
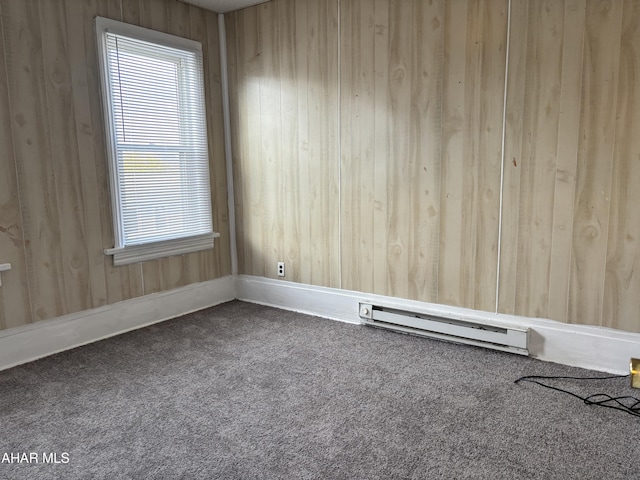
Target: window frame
x=127, y=254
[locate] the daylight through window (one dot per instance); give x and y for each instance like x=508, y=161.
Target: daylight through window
x=154, y=105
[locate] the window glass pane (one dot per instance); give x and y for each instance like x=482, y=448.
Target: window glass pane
x=160, y=145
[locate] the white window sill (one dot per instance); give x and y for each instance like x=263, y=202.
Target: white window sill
x=153, y=251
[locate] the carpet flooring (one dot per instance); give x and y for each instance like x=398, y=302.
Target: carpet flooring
x=241, y=391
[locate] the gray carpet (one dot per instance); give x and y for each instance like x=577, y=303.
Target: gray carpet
x=241, y=391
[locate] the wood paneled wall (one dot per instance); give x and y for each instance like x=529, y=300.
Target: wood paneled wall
x=284, y=90
x=414, y=91
x=409, y=191
x=422, y=88
x=55, y=217
x=571, y=226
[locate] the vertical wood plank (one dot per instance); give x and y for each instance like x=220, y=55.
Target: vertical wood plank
x=289, y=139
x=36, y=176
x=622, y=280
x=348, y=34
x=178, y=18
x=251, y=56
x=302, y=79
x=533, y=164
x=543, y=111
x=538, y=157
x=237, y=147
x=593, y=184
x=425, y=134
x=239, y=116
x=472, y=125
x=144, y=9
x=363, y=135
x=332, y=203
x=219, y=260
x=358, y=147
x=65, y=159
x=381, y=146
x=567, y=158
x=270, y=148
x=399, y=180
x=485, y=102
x=472, y=148
x=114, y=9
x=131, y=11
x=514, y=137
x=323, y=147
x=153, y=14
x=15, y=308
x=450, y=291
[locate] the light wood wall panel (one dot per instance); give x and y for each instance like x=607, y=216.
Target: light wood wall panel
x=55, y=207
x=421, y=112
x=360, y=122
x=473, y=101
x=622, y=279
x=603, y=21
x=541, y=82
x=247, y=138
x=14, y=295
x=74, y=271
x=570, y=219
x=422, y=98
x=390, y=127
x=32, y=147
x=567, y=158
x=284, y=71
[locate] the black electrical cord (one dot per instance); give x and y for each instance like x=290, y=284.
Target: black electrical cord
x=630, y=405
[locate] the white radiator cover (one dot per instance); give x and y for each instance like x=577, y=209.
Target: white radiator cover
x=489, y=334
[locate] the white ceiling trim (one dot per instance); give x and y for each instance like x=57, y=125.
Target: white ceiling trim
x=223, y=6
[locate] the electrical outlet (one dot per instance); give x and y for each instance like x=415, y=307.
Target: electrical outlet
x=281, y=269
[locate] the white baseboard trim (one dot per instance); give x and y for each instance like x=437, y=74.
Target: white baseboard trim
x=26, y=343
x=594, y=348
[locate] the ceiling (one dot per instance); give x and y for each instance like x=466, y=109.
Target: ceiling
x=223, y=6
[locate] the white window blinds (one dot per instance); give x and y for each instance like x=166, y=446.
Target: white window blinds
x=154, y=97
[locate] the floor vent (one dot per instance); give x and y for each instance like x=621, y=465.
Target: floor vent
x=489, y=335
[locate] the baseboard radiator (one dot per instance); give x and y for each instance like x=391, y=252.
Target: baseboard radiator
x=471, y=332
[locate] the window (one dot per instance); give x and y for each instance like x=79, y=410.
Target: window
x=153, y=98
